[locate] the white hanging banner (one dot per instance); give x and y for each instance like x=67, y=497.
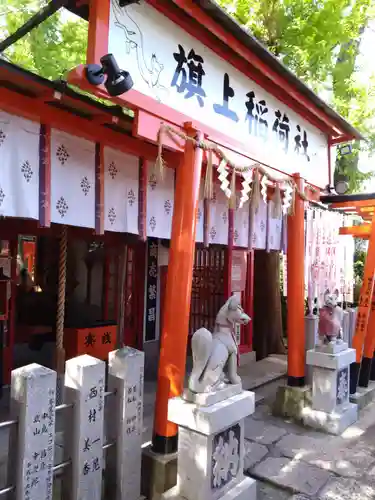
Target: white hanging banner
x=200, y=216
x=329, y=256
x=308, y=252
x=121, y=184
x=241, y=223
x=160, y=202
x=274, y=232
x=19, y=172
x=259, y=226
x=218, y=230
x=72, y=180
x=349, y=248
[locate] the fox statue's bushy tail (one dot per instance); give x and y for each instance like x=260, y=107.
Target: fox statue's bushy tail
x=201, y=346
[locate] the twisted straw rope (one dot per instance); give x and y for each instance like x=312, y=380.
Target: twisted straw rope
x=211, y=146
x=63, y=247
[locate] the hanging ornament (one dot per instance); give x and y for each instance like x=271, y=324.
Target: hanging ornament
x=276, y=209
x=208, y=183
x=287, y=198
x=223, y=177
x=246, y=189
x=160, y=164
x=232, y=199
x=263, y=191
x=255, y=197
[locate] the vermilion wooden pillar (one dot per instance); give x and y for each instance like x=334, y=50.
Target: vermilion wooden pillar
x=296, y=293
x=229, y=256
x=363, y=335
x=8, y=352
x=175, y=325
x=368, y=351
x=249, y=303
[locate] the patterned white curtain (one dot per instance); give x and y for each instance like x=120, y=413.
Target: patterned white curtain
x=241, y=224
x=19, y=172
x=274, y=229
x=160, y=202
x=72, y=180
x=218, y=230
x=200, y=216
x=121, y=184
x=259, y=226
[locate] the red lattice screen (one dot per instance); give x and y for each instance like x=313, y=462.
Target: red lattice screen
x=208, y=287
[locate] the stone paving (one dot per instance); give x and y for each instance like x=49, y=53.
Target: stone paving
x=291, y=462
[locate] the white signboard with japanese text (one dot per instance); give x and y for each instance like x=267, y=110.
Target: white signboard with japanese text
x=175, y=69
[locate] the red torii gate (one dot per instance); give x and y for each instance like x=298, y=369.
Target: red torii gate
x=363, y=370
x=216, y=31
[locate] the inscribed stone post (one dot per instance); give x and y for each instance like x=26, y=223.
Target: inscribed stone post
x=126, y=372
x=84, y=387
x=33, y=402
x=345, y=326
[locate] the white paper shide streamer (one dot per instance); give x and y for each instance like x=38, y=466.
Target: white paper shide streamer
x=246, y=189
x=223, y=178
x=263, y=191
x=287, y=199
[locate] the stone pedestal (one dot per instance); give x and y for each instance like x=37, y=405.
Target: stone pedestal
x=311, y=339
x=211, y=449
x=330, y=409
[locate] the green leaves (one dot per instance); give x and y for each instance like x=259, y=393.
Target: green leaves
x=51, y=49
x=319, y=40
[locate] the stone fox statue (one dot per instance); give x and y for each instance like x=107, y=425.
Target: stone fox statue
x=212, y=353
x=330, y=320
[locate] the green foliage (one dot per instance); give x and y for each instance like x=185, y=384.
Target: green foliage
x=51, y=49
x=319, y=41
x=358, y=270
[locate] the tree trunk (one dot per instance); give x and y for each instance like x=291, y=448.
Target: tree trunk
x=267, y=327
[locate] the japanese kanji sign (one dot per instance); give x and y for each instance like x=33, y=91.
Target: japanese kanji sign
x=151, y=289
x=172, y=67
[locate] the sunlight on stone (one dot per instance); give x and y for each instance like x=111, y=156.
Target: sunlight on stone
x=201, y=457
x=352, y=432
x=289, y=467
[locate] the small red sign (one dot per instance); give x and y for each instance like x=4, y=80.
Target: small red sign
x=239, y=270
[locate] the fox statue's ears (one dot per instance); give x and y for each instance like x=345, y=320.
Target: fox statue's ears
x=233, y=303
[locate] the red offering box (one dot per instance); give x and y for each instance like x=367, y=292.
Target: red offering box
x=97, y=341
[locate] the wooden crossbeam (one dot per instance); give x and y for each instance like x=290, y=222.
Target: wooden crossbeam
x=347, y=205
x=367, y=209
x=362, y=231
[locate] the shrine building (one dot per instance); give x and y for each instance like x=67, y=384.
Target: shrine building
x=130, y=220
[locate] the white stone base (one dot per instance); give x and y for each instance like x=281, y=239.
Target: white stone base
x=245, y=490
x=211, y=419
x=332, y=423
x=211, y=448
x=317, y=357
x=211, y=398
x=364, y=395
x=333, y=348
